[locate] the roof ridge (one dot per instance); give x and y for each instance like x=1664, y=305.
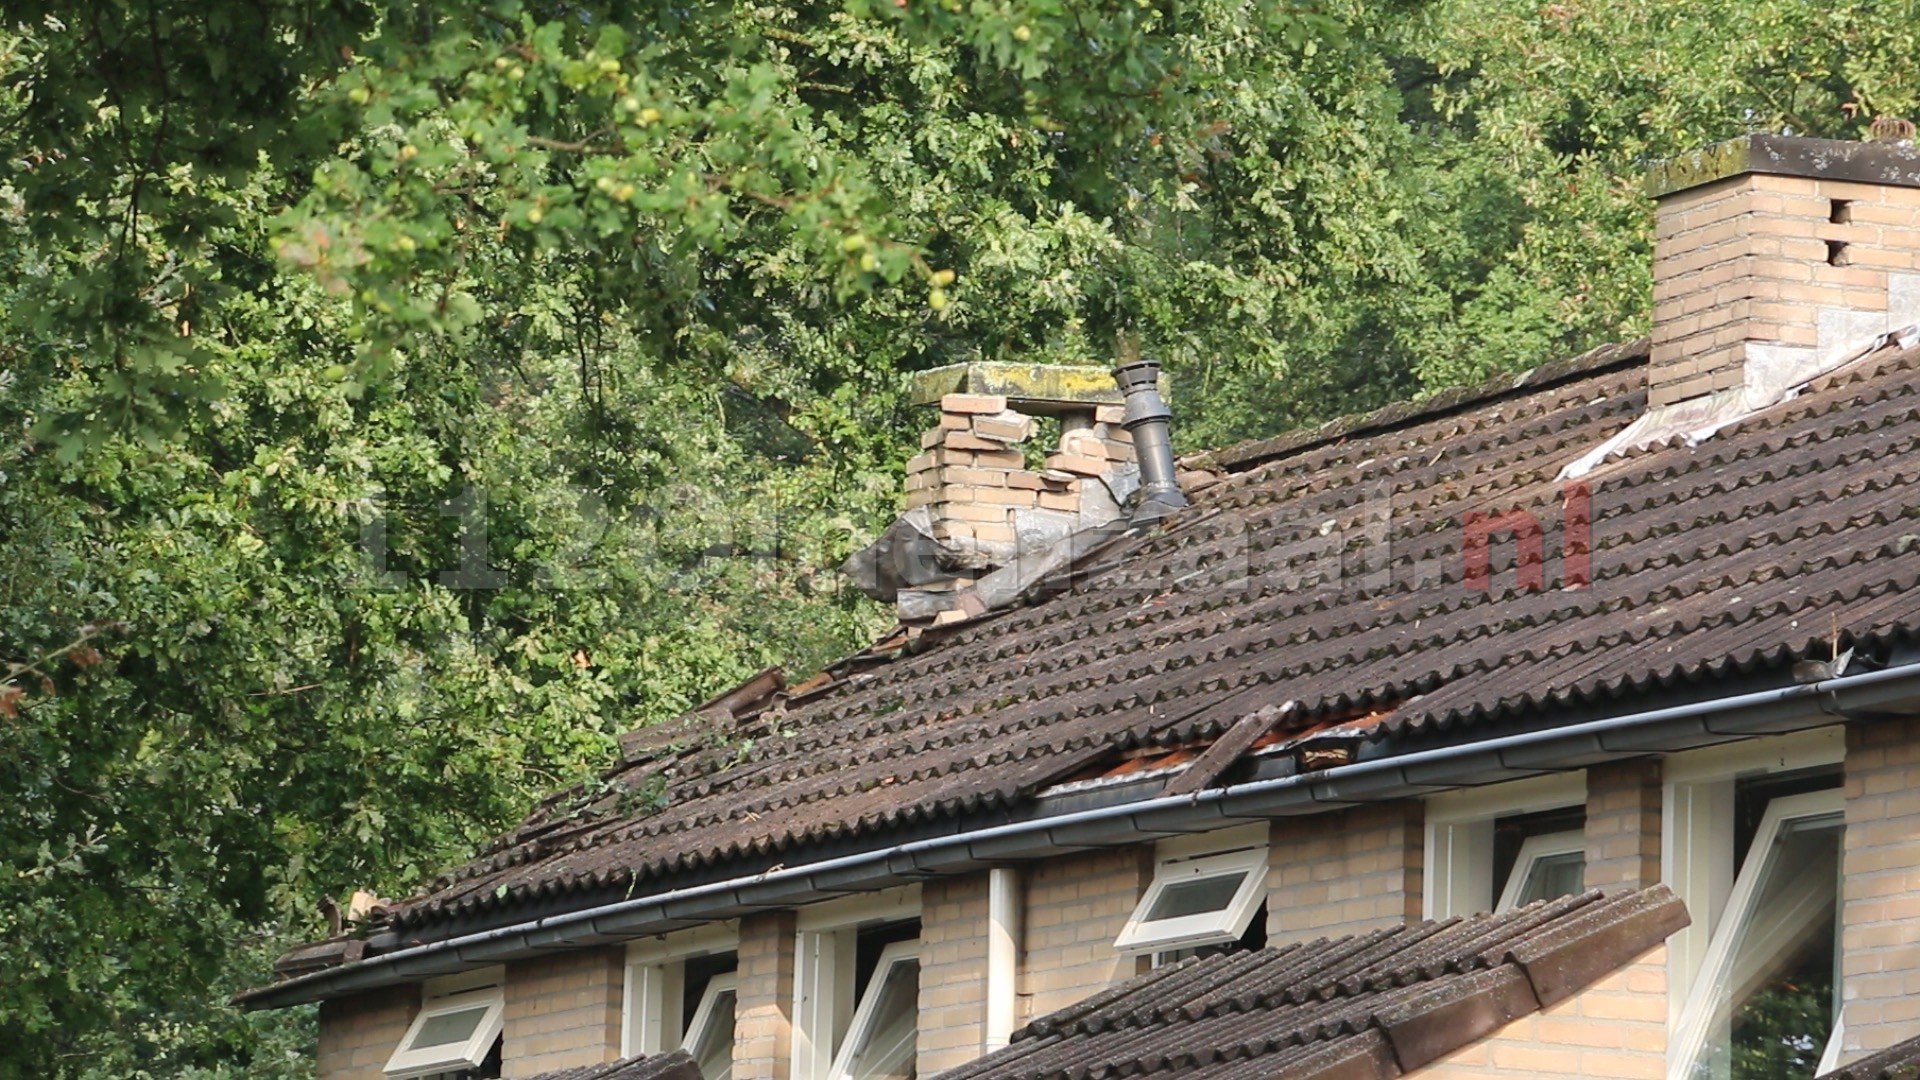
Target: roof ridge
x=1245, y=455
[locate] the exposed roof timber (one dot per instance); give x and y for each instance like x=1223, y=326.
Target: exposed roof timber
x=1795, y=708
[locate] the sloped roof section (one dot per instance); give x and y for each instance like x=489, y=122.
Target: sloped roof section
x=678, y=1065
x=1901, y=1061
x=1374, y=1005
x=1329, y=570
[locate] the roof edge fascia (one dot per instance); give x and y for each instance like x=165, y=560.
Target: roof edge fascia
x=1412, y=774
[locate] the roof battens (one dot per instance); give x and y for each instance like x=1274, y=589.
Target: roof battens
x=1574, y=746
x=1146, y=420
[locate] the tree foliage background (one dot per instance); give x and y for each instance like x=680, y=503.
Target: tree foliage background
x=402, y=400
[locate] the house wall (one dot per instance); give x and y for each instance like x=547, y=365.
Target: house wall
x=1074, y=908
x=1880, y=913
x=953, y=971
x=1346, y=872
x=562, y=1011
x=358, y=1034
x=763, y=1011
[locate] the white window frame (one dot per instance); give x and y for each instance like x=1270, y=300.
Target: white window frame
x=825, y=944
x=1178, y=863
x=651, y=1005
x=1458, y=871
x=860, y=1030
x=407, y=1063
x=1691, y=1033
x=1532, y=850
x=1696, y=825
x=707, y=1012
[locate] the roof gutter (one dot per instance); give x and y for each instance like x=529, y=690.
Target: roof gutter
x=1575, y=746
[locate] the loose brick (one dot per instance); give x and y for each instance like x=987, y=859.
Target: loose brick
x=970, y=404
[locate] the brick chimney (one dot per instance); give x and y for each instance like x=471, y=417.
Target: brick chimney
x=972, y=475
x=1775, y=260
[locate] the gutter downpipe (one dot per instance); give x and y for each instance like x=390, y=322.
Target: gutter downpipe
x=1003, y=957
x=1682, y=727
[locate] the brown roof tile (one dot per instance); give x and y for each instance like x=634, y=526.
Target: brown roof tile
x=677, y=1065
x=1374, y=1004
x=1725, y=559
x=1901, y=1061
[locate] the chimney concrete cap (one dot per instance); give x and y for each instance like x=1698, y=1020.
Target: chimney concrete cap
x=1894, y=164
x=1034, y=389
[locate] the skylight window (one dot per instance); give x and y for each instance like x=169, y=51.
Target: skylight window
x=452, y=1032
x=1197, y=900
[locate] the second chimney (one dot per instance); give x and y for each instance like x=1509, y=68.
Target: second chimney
x=1775, y=260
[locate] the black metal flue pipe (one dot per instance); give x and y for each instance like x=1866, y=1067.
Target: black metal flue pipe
x=1146, y=419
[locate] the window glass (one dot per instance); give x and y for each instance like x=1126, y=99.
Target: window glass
x=1195, y=900
x=882, y=1044
x=887, y=1050
x=1552, y=876
x=1764, y=1005
x=452, y=1027
x=710, y=1039
x=1196, y=897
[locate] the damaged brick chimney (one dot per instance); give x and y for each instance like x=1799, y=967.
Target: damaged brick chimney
x=1777, y=259
x=984, y=503
x=976, y=503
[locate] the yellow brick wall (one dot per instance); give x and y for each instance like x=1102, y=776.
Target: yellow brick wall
x=563, y=1011
x=1073, y=907
x=1345, y=872
x=1746, y=260
x=953, y=971
x=358, y=1034
x=1880, y=914
x=763, y=1011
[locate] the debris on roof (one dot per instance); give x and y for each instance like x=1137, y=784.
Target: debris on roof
x=1372, y=1005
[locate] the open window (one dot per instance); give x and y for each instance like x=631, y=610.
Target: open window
x=881, y=1041
x=1198, y=898
x=710, y=1032
x=453, y=1033
x=1765, y=1001
x=856, y=987
x=1548, y=865
x=1505, y=845
x=680, y=993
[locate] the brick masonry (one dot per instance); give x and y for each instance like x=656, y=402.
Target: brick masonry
x=563, y=1011
x=1616, y=1028
x=953, y=971
x=1346, y=872
x=1771, y=261
x=763, y=1011
x=359, y=1033
x=1073, y=908
x=1880, y=914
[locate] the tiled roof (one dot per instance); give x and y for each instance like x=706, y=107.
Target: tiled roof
x=678, y=1065
x=1373, y=1005
x=1901, y=1061
x=1732, y=558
